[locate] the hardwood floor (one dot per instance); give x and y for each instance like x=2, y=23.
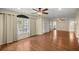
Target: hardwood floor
x=52, y=41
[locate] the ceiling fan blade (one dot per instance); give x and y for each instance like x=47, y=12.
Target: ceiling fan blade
x=34, y=9
x=45, y=9
x=45, y=12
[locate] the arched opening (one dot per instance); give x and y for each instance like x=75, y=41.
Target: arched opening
x=22, y=26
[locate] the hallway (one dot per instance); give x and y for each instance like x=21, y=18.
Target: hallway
x=51, y=41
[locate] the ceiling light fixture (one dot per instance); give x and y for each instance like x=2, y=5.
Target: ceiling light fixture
x=18, y=8
x=39, y=13
x=59, y=8
x=60, y=19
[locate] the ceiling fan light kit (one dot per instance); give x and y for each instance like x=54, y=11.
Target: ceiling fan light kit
x=41, y=11
x=60, y=19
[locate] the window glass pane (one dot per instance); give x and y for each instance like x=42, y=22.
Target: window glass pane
x=22, y=25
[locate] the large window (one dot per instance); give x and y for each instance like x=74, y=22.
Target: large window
x=22, y=25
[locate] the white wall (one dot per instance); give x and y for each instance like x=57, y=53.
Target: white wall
x=39, y=25
x=66, y=25
x=72, y=26
x=46, y=25
x=32, y=26
x=51, y=25
x=63, y=26
x=77, y=25
x=42, y=25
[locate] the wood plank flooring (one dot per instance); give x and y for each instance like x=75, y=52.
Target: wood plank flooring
x=51, y=41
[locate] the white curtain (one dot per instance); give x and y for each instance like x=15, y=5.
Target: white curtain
x=1, y=29
x=7, y=28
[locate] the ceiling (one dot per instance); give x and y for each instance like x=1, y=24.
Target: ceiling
x=52, y=12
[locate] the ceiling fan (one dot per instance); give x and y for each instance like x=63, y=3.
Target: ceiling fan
x=60, y=19
x=40, y=11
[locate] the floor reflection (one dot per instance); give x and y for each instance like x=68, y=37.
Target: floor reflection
x=71, y=36
x=54, y=34
x=52, y=41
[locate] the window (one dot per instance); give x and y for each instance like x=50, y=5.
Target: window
x=22, y=25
